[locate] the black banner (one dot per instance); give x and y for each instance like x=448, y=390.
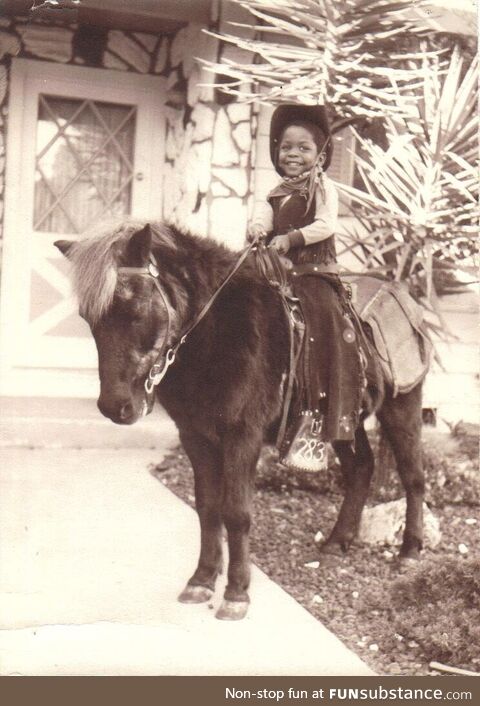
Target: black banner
x=221, y=691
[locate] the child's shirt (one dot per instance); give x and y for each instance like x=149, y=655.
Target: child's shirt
x=324, y=221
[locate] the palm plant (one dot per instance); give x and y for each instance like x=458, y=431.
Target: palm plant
x=416, y=216
x=419, y=209
x=351, y=54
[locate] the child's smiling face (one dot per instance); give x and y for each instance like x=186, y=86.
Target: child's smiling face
x=298, y=151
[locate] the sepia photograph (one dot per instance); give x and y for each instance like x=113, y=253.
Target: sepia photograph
x=239, y=351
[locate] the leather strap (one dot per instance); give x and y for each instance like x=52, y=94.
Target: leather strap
x=206, y=308
x=296, y=330
x=153, y=271
x=312, y=268
x=270, y=265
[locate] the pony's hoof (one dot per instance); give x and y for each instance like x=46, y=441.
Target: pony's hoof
x=408, y=563
x=232, y=610
x=330, y=561
x=195, y=594
x=334, y=549
x=411, y=555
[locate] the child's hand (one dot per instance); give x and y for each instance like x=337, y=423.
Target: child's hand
x=281, y=243
x=255, y=231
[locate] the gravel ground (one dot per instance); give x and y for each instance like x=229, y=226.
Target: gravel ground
x=291, y=516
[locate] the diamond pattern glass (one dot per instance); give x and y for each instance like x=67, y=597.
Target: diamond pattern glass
x=84, y=163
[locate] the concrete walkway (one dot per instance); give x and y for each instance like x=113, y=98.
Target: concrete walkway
x=94, y=551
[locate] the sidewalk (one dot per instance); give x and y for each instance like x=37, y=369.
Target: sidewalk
x=94, y=552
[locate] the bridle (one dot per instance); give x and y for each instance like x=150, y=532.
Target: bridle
x=164, y=360
x=156, y=372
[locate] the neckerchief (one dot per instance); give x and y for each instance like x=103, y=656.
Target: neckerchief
x=306, y=184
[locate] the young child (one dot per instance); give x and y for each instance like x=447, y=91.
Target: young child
x=299, y=221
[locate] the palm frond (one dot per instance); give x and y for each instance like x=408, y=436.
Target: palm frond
x=346, y=52
x=424, y=196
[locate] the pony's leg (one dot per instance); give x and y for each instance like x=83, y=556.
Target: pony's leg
x=357, y=469
x=401, y=420
x=205, y=460
x=241, y=451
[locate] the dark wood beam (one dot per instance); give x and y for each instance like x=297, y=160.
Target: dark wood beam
x=155, y=16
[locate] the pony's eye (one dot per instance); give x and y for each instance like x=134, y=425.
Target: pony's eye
x=129, y=303
x=137, y=312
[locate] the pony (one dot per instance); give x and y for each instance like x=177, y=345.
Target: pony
x=224, y=390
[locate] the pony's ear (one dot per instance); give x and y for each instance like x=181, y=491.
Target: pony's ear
x=139, y=247
x=65, y=246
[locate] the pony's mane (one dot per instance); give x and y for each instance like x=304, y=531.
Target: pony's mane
x=94, y=261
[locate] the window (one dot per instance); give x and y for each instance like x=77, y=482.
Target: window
x=84, y=163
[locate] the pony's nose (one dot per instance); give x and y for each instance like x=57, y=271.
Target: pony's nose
x=118, y=411
x=126, y=411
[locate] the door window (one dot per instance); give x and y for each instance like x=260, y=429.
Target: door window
x=84, y=163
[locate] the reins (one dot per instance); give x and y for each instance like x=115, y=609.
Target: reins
x=158, y=370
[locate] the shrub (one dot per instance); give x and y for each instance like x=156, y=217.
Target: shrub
x=451, y=473
x=438, y=606
x=452, y=477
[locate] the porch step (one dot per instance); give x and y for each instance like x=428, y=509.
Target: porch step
x=52, y=423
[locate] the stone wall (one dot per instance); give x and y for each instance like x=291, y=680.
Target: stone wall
x=208, y=167
x=209, y=149
x=9, y=45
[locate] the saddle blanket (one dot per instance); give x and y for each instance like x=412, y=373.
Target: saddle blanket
x=399, y=334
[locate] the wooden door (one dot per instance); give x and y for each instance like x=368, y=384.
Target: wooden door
x=83, y=145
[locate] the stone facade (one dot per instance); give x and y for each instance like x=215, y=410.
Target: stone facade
x=208, y=155
x=209, y=146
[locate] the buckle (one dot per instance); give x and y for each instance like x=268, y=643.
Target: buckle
x=154, y=371
x=157, y=372
x=153, y=269
x=317, y=425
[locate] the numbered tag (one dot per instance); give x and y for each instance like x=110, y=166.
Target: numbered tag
x=308, y=452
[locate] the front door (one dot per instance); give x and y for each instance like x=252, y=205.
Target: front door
x=84, y=145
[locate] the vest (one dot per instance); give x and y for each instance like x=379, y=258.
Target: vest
x=291, y=215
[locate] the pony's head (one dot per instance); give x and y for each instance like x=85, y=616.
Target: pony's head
x=130, y=312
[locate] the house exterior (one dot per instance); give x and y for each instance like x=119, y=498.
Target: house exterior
x=109, y=113
x=104, y=119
